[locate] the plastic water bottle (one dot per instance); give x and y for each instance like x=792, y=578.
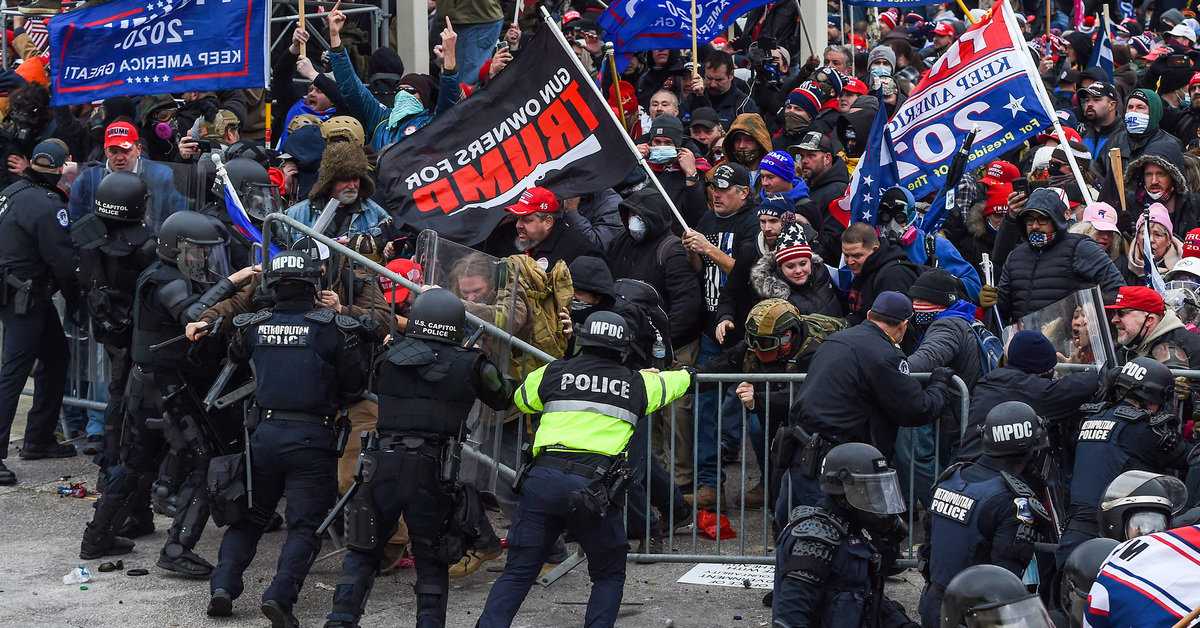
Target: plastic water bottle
x=78, y=575
x=659, y=351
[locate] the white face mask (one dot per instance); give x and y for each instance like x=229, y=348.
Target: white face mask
x=1155, y=195
x=1137, y=122
x=662, y=154
x=880, y=70
x=637, y=227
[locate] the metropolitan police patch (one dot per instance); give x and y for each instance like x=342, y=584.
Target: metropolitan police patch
x=1024, y=513
x=903, y=368
x=63, y=219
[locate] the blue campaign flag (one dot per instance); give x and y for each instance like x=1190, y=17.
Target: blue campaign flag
x=1126, y=10
x=633, y=25
x=986, y=79
x=131, y=47
x=1102, y=53
x=874, y=174
x=891, y=3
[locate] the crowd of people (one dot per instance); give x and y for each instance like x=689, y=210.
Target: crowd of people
x=1078, y=435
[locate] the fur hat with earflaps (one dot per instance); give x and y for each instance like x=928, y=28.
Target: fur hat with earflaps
x=342, y=161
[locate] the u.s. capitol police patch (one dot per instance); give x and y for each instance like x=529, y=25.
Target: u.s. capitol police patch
x=63, y=219
x=903, y=368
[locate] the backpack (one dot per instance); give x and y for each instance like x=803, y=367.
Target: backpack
x=990, y=347
x=546, y=294
x=818, y=327
x=652, y=322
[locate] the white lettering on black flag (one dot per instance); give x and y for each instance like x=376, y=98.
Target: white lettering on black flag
x=537, y=123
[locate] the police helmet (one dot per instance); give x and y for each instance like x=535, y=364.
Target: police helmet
x=1139, y=502
x=437, y=315
x=253, y=186
x=860, y=473
x=987, y=596
x=1145, y=379
x=1080, y=571
x=769, y=322
x=343, y=129
x=1012, y=428
x=289, y=266
x=121, y=197
x=195, y=243
x=605, y=330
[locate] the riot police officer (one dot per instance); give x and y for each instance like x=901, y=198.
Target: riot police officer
x=427, y=384
x=590, y=404
x=987, y=596
x=1133, y=431
x=164, y=382
x=114, y=248
x=972, y=518
x=306, y=362
x=1079, y=573
x=37, y=259
x=832, y=558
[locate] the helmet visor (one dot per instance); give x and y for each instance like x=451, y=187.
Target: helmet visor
x=203, y=263
x=260, y=199
x=1145, y=522
x=876, y=493
x=1026, y=612
x=1131, y=487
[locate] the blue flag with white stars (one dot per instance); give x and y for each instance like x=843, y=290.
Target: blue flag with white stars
x=875, y=173
x=132, y=47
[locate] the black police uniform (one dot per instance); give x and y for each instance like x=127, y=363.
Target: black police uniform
x=830, y=571
x=167, y=383
x=979, y=514
x=1117, y=439
x=426, y=391
x=35, y=253
x=858, y=390
x=306, y=362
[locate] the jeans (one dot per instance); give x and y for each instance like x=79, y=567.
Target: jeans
x=916, y=463
x=476, y=44
x=663, y=494
x=708, y=435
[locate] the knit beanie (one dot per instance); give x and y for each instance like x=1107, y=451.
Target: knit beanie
x=1031, y=352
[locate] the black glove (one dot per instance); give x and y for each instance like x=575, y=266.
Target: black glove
x=941, y=375
x=371, y=329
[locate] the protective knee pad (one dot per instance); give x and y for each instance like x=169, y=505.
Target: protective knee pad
x=192, y=517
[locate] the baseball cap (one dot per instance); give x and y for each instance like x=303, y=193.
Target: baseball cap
x=123, y=135
x=704, y=116
x=730, y=174
x=893, y=304
x=1102, y=216
x=1000, y=172
x=1183, y=30
x=1098, y=89
x=944, y=28
x=1191, y=243
x=855, y=86
x=394, y=292
x=534, y=200
x=48, y=156
x=813, y=140
x=1138, y=298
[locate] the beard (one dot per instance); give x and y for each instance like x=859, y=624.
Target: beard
x=524, y=246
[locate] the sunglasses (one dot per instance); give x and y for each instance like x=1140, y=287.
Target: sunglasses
x=410, y=89
x=1058, y=165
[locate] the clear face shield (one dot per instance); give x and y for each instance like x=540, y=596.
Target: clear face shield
x=261, y=199
x=1145, y=522
x=204, y=263
x=1184, y=298
x=876, y=493
x=1027, y=612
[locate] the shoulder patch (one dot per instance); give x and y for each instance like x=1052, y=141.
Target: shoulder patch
x=903, y=368
x=346, y=323
x=63, y=218
x=322, y=316
x=251, y=318
x=1024, y=512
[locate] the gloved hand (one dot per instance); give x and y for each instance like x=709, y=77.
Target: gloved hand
x=1183, y=387
x=941, y=375
x=988, y=296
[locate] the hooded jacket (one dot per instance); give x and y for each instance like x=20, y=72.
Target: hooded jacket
x=816, y=296
x=823, y=190
x=885, y=269
x=948, y=256
x=674, y=278
x=1033, y=278
x=753, y=125
x=1186, y=212
x=949, y=341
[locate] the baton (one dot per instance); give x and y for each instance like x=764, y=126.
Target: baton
x=219, y=384
x=176, y=339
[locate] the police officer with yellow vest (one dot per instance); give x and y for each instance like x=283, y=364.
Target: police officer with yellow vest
x=590, y=404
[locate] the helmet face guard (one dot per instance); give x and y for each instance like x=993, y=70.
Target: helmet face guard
x=876, y=493
x=203, y=262
x=1026, y=612
x=260, y=199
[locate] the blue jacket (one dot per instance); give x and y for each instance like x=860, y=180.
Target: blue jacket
x=370, y=218
x=374, y=114
x=948, y=258
x=300, y=109
x=165, y=198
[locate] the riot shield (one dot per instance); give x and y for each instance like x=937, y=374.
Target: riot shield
x=1077, y=327
x=488, y=288
x=175, y=187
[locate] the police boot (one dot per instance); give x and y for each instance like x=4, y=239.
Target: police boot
x=431, y=605
x=279, y=617
x=7, y=478
x=140, y=521
x=177, y=554
x=100, y=538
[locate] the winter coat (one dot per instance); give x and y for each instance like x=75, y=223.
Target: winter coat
x=885, y=269
x=948, y=256
x=753, y=125
x=1100, y=139
x=669, y=77
x=949, y=341
x=676, y=282
x=597, y=218
x=1033, y=278
x=1186, y=214
x=816, y=296
x=729, y=105
x=780, y=23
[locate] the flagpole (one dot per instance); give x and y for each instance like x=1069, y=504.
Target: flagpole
x=1044, y=100
x=612, y=64
x=302, y=25
x=967, y=13
x=695, y=44
x=562, y=41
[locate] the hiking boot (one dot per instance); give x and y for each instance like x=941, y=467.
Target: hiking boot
x=221, y=604
x=754, y=498
x=705, y=499
x=185, y=562
x=472, y=562
x=40, y=7
x=53, y=450
x=653, y=545
x=279, y=618
x=7, y=478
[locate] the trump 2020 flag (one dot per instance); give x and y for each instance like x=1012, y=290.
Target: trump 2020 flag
x=874, y=174
x=1102, y=53
x=540, y=122
x=633, y=25
x=986, y=78
x=130, y=47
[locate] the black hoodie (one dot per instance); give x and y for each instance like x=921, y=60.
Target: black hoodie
x=886, y=269
x=660, y=260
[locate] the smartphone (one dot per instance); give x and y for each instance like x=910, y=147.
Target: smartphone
x=1021, y=185
x=501, y=45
